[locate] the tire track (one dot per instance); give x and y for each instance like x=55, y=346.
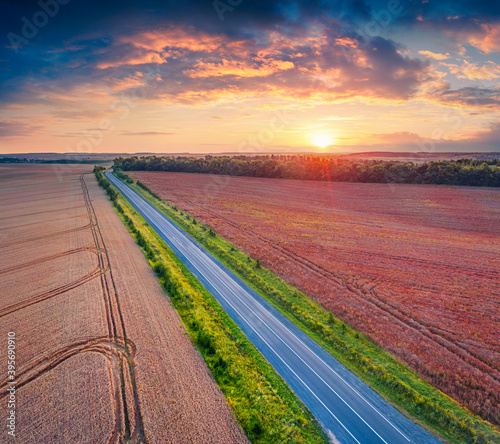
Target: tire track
x=10, y=198
x=34, y=370
x=14, y=184
x=117, y=333
x=37, y=223
x=47, y=236
x=36, y=212
x=51, y=293
x=46, y=259
x=116, y=347
x=42, y=200
x=113, y=351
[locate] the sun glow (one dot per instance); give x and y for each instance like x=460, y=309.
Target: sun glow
x=322, y=140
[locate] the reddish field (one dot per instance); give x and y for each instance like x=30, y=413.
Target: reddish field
x=416, y=268
x=102, y=356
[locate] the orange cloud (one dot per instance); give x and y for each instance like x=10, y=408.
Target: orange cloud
x=240, y=69
x=309, y=66
x=488, y=40
x=129, y=82
x=488, y=71
x=197, y=68
x=183, y=38
x=434, y=55
x=346, y=41
x=133, y=59
x=278, y=44
x=170, y=43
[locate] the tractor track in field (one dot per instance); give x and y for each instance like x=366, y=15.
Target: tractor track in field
x=47, y=236
x=114, y=352
x=46, y=363
x=5, y=228
x=16, y=186
x=48, y=198
x=129, y=408
x=37, y=197
x=36, y=213
x=51, y=293
x=437, y=335
x=46, y=259
x=115, y=346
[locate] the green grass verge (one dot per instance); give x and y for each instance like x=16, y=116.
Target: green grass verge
x=391, y=378
x=266, y=408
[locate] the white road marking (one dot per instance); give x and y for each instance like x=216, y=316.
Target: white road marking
x=179, y=238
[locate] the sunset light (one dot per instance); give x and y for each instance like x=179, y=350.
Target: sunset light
x=225, y=70
x=322, y=140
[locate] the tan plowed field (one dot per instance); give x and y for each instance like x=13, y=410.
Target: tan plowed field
x=101, y=354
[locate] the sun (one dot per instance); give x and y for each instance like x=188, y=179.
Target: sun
x=322, y=140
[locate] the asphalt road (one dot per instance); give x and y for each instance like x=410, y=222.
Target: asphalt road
x=347, y=408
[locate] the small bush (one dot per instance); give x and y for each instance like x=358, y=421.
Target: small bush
x=140, y=239
x=195, y=325
x=205, y=342
x=331, y=319
x=160, y=270
x=254, y=428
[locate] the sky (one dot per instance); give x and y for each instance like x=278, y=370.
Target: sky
x=258, y=76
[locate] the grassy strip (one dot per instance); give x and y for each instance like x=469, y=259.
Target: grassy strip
x=266, y=408
x=394, y=380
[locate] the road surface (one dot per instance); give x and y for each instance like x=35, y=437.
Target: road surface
x=346, y=407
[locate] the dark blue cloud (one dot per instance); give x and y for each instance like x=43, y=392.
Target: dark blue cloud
x=69, y=47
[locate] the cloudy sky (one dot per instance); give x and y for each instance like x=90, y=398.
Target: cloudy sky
x=249, y=75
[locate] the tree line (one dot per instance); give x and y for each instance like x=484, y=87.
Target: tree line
x=327, y=168
x=62, y=160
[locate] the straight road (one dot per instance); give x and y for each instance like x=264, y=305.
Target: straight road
x=347, y=408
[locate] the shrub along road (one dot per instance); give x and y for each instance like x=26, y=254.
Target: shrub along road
x=345, y=406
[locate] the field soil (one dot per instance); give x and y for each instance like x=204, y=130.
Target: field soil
x=415, y=268
x=101, y=354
